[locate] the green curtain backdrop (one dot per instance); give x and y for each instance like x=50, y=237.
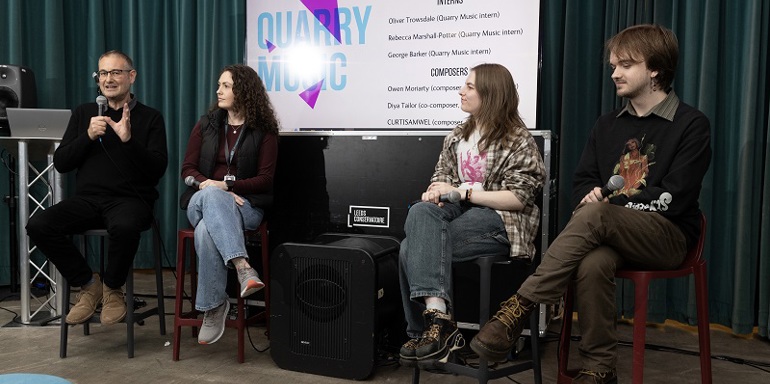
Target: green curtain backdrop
x=179, y=46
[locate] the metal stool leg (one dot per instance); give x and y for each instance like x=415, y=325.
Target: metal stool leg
x=65, y=289
x=534, y=339
x=130, y=312
x=161, y=306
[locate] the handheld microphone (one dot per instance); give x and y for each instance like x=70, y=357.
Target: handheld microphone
x=451, y=197
x=101, y=102
x=190, y=182
x=616, y=182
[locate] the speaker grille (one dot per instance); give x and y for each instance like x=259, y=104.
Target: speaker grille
x=8, y=99
x=321, y=321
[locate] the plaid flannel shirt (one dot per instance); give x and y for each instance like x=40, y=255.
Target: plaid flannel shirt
x=517, y=167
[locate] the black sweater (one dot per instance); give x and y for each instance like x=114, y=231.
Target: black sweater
x=676, y=157
x=110, y=167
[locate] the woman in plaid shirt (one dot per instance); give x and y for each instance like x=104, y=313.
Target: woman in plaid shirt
x=481, y=201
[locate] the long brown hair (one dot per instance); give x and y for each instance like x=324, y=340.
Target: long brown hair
x=251, y=99
x=499, y=110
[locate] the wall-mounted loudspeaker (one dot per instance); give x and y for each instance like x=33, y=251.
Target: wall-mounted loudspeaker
x=17, y=90
x=330, y=302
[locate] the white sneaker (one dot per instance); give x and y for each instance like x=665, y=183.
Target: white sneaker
x=213, y=324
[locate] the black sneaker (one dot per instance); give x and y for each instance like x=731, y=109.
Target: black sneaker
x=441, y=338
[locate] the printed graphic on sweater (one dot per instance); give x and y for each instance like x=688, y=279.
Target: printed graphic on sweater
x=634, y=165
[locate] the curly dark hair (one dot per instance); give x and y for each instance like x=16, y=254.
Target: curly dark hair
x=251, y=99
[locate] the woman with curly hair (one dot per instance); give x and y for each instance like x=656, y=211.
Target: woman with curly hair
x=231, y=155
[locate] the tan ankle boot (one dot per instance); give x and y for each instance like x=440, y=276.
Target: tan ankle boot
x=113, y=306
x=88, y=299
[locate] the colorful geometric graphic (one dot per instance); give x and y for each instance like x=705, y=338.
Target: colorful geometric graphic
x=310, y=95
x=328, y=13
x=270, y=46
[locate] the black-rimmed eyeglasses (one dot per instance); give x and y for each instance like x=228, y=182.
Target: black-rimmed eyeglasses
x=113, y=72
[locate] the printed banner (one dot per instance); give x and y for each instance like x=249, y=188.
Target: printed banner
x=387, y=64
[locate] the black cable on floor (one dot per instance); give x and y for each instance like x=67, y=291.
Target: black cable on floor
x=252, y=341
x=731, y=359
x=661, y=348
x=15, y=315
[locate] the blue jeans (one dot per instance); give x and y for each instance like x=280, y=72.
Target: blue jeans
x=436, y=237
x=219, y=224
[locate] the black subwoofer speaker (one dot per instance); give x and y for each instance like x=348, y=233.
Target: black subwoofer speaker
x=17, y=90
x=331, y=300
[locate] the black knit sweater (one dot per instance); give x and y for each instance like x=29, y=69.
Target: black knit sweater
x=110, y=167
x=675, y=156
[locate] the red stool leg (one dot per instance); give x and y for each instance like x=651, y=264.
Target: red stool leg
x=265, y=272
x=704, y=337
x=641, y=290
x=193, y=282
x=180, y=271
x=240, y=324
x=564, y=376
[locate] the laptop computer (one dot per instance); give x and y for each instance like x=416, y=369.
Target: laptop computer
x=38, y=122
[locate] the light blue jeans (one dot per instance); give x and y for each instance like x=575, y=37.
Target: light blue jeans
x=219, y=224
x=436, y=237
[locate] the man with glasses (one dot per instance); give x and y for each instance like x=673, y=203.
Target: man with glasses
x=118, y=149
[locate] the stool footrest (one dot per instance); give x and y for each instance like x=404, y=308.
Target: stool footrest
x=495, y=373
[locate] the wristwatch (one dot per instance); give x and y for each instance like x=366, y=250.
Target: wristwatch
x=230, y=184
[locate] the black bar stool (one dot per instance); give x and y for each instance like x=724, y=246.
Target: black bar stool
x=132, y=315
x=483, y=373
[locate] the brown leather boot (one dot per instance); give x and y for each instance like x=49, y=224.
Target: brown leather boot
x=497, y=337
x=88, y=299
x=113, y=306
